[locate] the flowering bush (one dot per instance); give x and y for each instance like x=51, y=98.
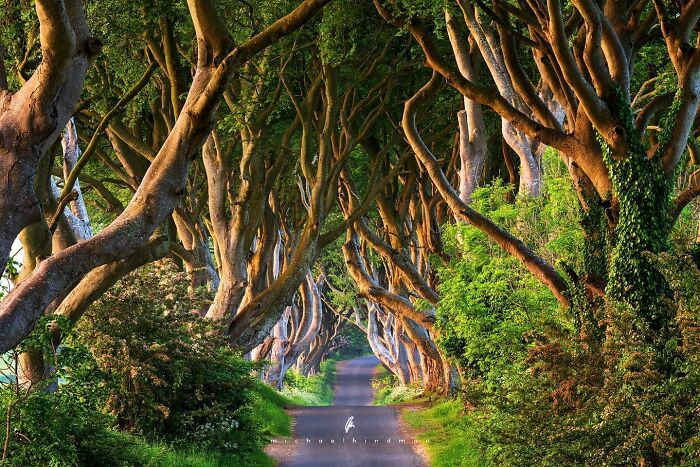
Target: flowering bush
x=389, y=390
x=58, y=424
x=167, y=372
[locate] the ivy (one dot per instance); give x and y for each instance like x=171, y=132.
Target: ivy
x=643, y=192
x=596, y=241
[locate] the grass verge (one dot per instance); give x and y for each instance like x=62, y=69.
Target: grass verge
x=161, y=456
x=388, y=390
x=316, y=390
x=448, y=435
x=270, y=407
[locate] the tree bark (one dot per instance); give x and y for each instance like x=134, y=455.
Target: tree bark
x=32, y=118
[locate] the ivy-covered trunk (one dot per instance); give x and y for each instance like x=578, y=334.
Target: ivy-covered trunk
x=642, y=191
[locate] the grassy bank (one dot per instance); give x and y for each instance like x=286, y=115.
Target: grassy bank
x=316, y=390
x=276, y=422
x=448, y=435
x=162, y=456
x=388, y=390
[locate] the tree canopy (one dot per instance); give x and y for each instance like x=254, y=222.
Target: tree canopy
x=500, y=196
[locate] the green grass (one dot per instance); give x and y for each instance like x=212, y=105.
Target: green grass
x=299, y=390
x=166, y=456
x=449, y=436
x=388, y=391
x=270, y=408
x=314, y=390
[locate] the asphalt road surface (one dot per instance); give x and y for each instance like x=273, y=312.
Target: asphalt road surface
x=351, y=432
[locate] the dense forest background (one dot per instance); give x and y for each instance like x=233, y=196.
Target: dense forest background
x=206, y=201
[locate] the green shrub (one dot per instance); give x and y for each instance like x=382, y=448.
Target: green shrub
x=389, y=390
x=314, y=390
x=166, y=371
x=58, y=430
x=64, y=426
x=490, y=306
x=396, y=394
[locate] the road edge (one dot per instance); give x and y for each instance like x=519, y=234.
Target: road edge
x=408, y=432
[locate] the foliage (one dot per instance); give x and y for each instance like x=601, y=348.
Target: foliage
x=643, y=192
x=314, y=390
x=388, y=390
x=490, y=308
x=541, y=387
x=166, y=373
x=61, y=427
x=68, y=428
x=142, y=361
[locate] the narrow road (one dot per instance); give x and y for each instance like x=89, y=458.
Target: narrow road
x=351, y=432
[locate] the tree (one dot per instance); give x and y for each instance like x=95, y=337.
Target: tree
x=164, y=181
x=608, y=152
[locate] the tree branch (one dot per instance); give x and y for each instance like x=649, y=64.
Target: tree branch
x=99, y=280
x=213, y=40
x=595, y=108
x=82, y=162
x=615, y=54
x=516, y=247
x=521, y=82
x=58, y=44
x=647, y=113
x=162, y=186
x=685, y=197
x=400, y=260
x=241, y=54
x=72, y=196
x=371, y=290
x=548, y=136
x=689, y=19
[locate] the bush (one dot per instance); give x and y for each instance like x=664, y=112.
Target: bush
x=575, y=402
x=388, y=395
x=167, y=373
x=490, y=306
x=60, y=428
x=141, y=361
x=389, y=390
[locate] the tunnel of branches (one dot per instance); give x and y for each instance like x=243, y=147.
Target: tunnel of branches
x=410, y=171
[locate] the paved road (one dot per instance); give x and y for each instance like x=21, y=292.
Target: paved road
x=320, y=437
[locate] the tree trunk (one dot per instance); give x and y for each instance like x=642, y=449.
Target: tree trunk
x=32, y=118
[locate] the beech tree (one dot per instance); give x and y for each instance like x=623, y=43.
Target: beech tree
x=35, y=114
x=217, y=60
x=602, y=139
x=333, y=121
